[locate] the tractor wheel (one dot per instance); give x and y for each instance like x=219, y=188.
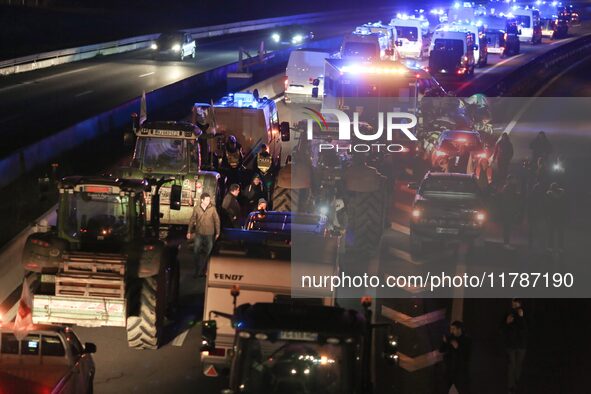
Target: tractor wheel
x=283, y=199
x=366, y=213
x=144, y=329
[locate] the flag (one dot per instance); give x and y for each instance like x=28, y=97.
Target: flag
x=143, y=109
x=24, y=316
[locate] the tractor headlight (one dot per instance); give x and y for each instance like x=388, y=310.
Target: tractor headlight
x=298, y=38
x=176, y=47
x=275, y=37
x=154, y=46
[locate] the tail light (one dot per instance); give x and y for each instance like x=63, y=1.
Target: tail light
x=461, y=71
x=39, y=242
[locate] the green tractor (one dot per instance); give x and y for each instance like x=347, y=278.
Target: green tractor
x=103, y=263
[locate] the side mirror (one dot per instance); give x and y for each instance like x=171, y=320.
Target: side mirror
x=209, y=332
x=128, y=139
x=475, y=47
x=413, y=185
x=519, y=32
x=175, y=197
x=285, y=131
x=89, y=348
x=391, y=350
x=399, y=43
x=316, y=82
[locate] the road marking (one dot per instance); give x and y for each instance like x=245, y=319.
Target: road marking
x=84, y=93
x=180, y=339
x=413, y=322
x=412, y=364
x=146, y=74
x=400, y=228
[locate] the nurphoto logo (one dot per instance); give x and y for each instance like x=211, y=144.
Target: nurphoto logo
x=401, y=122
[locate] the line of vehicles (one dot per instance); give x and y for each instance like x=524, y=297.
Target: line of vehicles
x=111, y=259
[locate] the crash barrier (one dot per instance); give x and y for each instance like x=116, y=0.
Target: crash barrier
x=525, y=80
x=172, y=101
x=11, y=270
x=54, y=58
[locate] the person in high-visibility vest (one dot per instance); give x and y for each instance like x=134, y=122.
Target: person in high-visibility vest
x=265, y=166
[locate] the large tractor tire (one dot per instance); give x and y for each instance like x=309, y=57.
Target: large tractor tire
x=144, y=329
x=366, y=214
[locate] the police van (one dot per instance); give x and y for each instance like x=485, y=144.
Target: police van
x=304, y=76
x=528, y=22
x=480, y=40
x=452, y=52
x=387, y=30
x=410, y=33
x=363, y=45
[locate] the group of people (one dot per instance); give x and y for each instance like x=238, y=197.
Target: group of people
x=205, y=224
x=456, y=348
x=529, y=192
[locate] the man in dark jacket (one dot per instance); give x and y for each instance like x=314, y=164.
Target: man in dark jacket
x=502, y=156
x=515, y=336
x=231, y=207
x=204, y=229
x=540, y=147
x=456, y=349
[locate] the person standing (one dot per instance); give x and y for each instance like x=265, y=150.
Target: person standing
x=510, y=210
x=456, y=349
x=514, y=333
x=231, y=207
x=502, y=156
x=557, y=216
x=253, y=192
x=204, y=230
x=540, y=147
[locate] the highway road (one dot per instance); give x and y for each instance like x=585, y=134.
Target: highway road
x=101, y=83
x=39, y=103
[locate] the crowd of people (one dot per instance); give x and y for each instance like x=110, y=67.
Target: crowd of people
x=529, y=194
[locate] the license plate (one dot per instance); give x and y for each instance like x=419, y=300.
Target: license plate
x=444, y=230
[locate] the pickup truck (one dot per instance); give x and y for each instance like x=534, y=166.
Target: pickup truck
x=50, y=359
x=446, y=206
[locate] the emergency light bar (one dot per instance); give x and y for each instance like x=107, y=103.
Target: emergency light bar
x=369, y=69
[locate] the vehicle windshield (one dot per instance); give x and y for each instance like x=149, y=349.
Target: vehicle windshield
x=359, y=49
x=523, y=20
x=170, y=37
x=163, y=154
x=408, y=32
x=96, y=216
x=449, y=184
x=286, y=367
x=453, y=48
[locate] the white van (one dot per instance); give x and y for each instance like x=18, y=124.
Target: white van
x=409, y=32
x=480, y=41
x=366, y=46
x=304, y=76
x=388, y=31
x=528, y=21
x=451, y=52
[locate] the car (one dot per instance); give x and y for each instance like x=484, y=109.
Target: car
x=293, y=35
x=176, y=45
x=50, y=359
x=560, y=29
x=456, y=151
x=447, y=206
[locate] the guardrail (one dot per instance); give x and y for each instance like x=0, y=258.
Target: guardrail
x=54, y=58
